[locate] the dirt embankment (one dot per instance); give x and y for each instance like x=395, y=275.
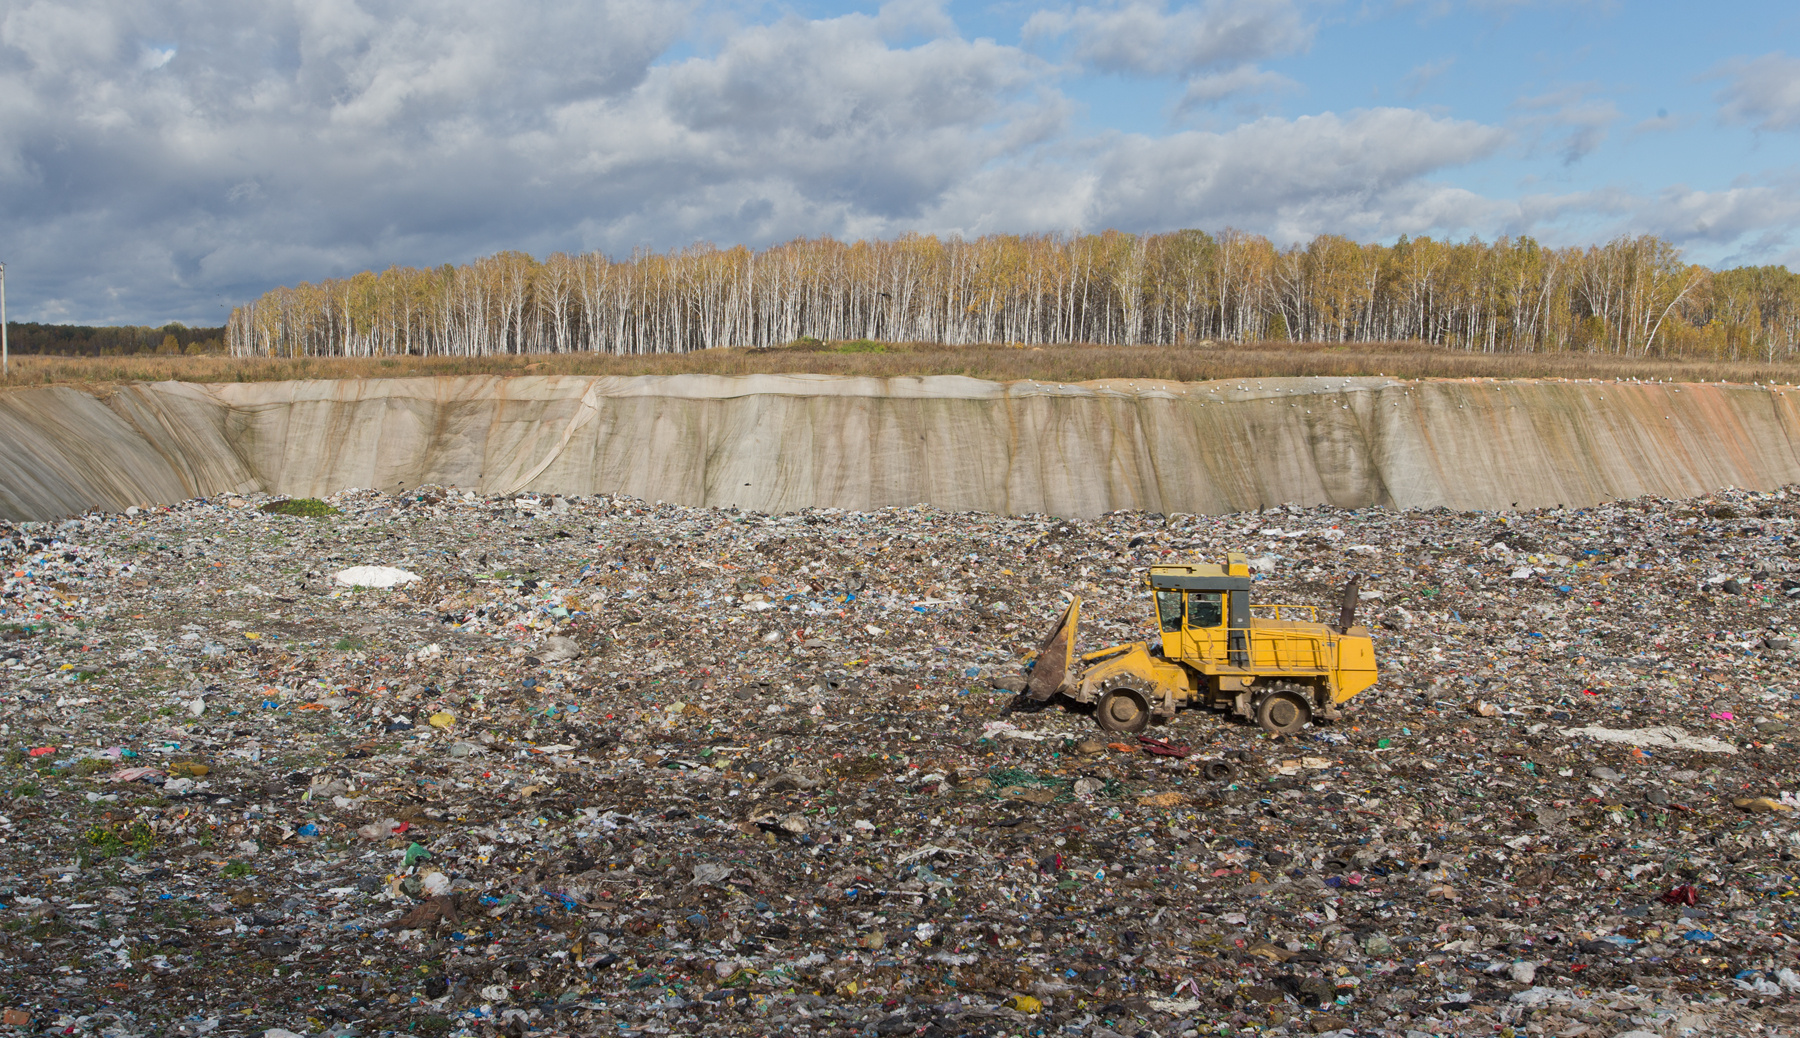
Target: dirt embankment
x=782, y=442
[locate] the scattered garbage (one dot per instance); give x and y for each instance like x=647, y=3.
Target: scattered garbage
x=1682, y=895
x=1661, y=735
x=374, y=576
x=607, y=766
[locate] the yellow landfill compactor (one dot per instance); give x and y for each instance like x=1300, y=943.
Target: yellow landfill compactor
x=1275, y=664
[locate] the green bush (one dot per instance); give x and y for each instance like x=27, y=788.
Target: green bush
x=861, y=346
x=112, y=841
x=304, y=507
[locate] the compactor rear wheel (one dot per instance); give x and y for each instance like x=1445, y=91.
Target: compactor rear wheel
x=1283, y=712
x=1125, y=710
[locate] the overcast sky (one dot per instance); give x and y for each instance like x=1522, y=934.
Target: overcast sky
x=166, y=159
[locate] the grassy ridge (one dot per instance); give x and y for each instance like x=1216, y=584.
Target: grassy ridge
x=997, y=363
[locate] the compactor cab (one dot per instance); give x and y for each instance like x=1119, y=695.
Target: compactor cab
x=1279, y=665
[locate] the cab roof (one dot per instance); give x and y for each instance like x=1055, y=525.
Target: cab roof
x=1236, y=565
x=1234, y=575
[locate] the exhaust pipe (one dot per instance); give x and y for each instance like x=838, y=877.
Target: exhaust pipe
x=1347, y=607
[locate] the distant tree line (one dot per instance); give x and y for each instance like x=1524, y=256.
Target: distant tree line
x=1631, y=296
x=74, y=340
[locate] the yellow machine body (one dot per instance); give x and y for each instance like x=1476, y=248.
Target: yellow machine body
x=1278, y=664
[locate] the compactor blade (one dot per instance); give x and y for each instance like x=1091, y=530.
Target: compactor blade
x=1055, y=654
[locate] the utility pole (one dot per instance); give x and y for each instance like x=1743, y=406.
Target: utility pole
x=5, y=361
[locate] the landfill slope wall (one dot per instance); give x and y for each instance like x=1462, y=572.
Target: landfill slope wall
x=64, y=451
x=783, y=442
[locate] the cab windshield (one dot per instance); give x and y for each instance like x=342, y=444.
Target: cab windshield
x=1205, y=608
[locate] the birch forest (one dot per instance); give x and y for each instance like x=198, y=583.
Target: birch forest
x=1633, y=296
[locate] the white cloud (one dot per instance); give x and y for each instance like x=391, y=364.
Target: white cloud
x=1748, y=223
x=290, y=141
x=1360, y=174
x=1764, y=92
x=1751, y=214
x=1245, y=79
x=1569, y=121
x=155, y=57
x=900, y=17
x=1145, y=38
x=1587, y=123
x=159, y=158
x=1499, y=9
x=1661, y=122
x=1422, y=76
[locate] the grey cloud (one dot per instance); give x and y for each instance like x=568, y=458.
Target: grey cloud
x=1764, y=92
x=810, y=126
x=293, y=141
x=330, y=130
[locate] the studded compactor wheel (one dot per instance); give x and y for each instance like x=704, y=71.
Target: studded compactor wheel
x=1124, y=709
x=1283, y=711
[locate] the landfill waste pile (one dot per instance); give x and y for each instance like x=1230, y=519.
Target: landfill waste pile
x=436, y=764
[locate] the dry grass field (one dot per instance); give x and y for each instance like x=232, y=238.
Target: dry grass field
x=995, y=362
